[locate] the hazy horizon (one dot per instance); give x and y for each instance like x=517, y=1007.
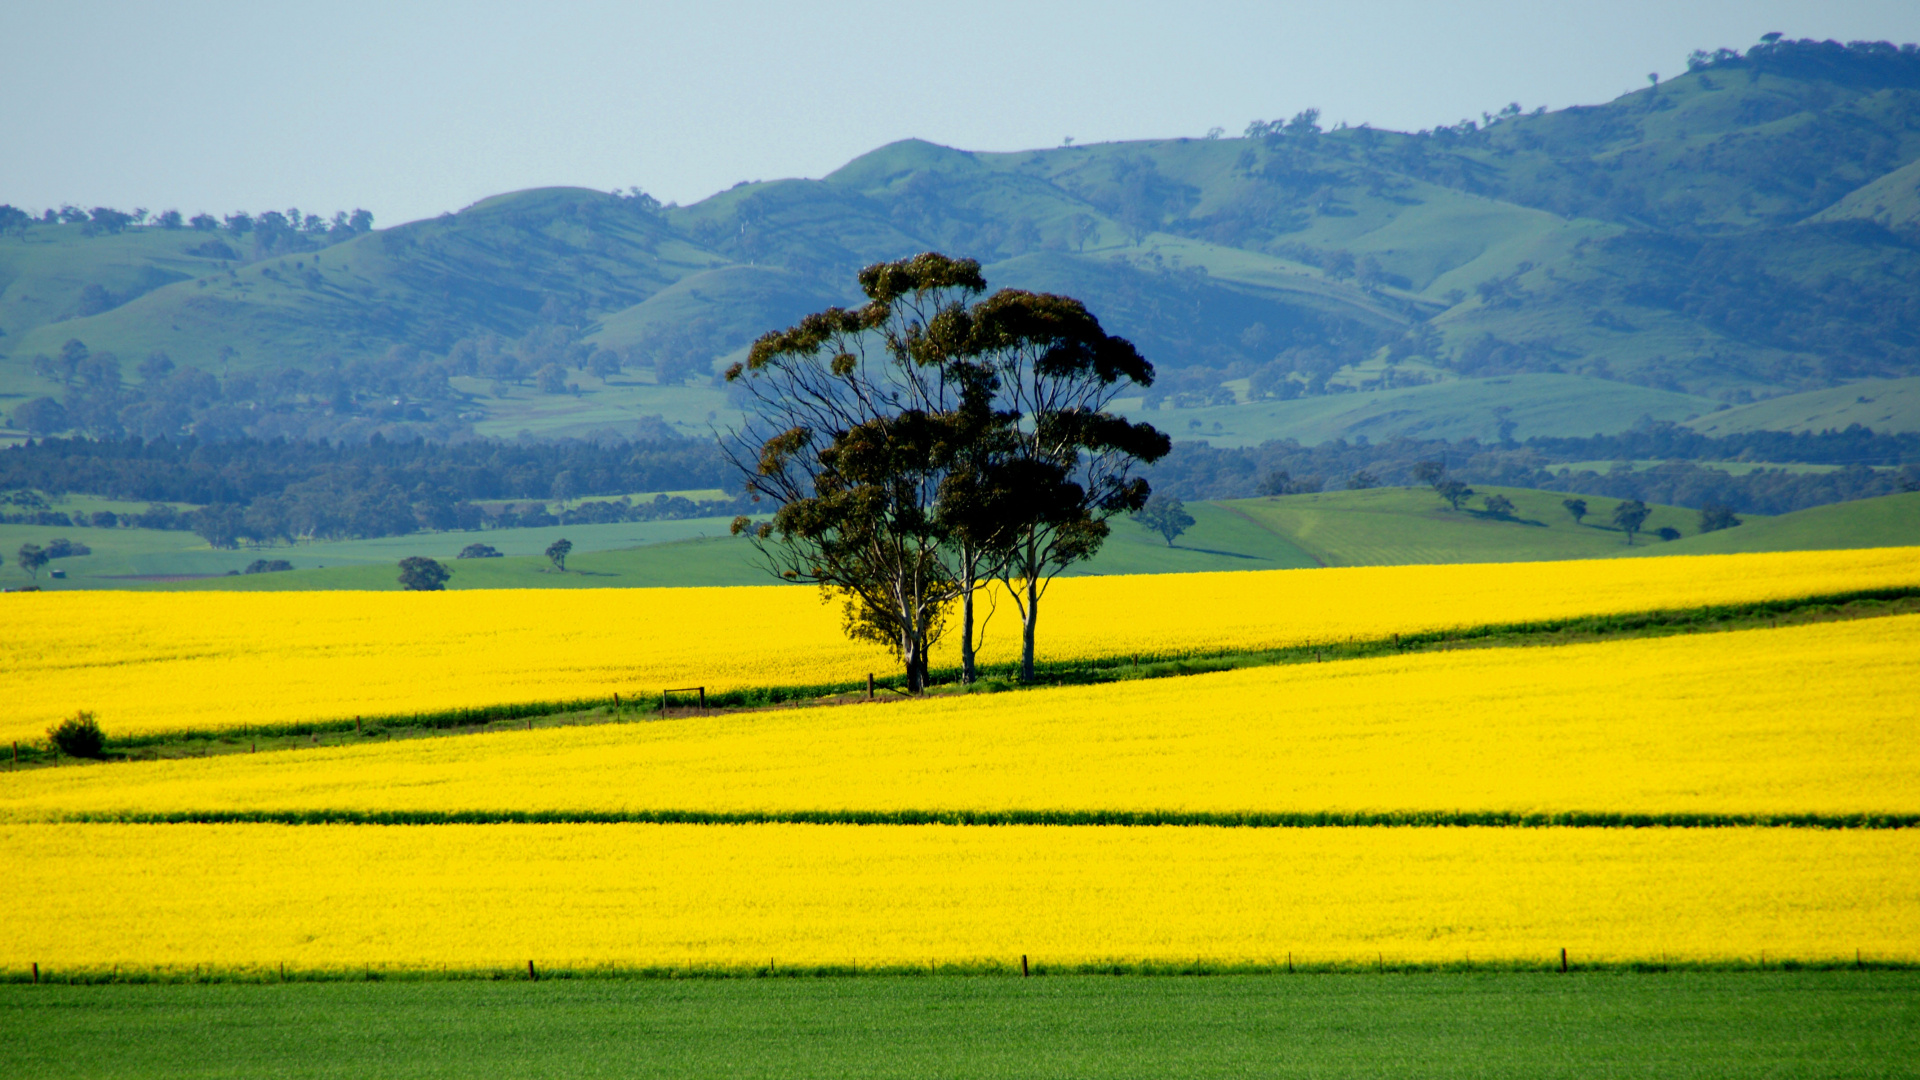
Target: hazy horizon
x=413, y=112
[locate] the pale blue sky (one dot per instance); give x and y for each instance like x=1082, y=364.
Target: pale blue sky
x=410, y=109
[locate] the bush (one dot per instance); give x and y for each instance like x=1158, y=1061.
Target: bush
x=1667, y=532
x=63, y=548
x=421, y=574
x=478, y=551
x=78, y=736
x=268, y=566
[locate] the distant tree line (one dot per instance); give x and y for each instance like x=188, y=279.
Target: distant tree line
x=1195, y=470
x=271, y=232
x=265, y=491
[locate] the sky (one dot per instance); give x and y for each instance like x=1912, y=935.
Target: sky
x=411, y=109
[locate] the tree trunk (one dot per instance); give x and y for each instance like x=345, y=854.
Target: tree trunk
x=1029, y=619
x=967, y=674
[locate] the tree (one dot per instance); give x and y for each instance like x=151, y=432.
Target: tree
x=922, y=444
x=1165, y=515
x=31, y=558
x=421, y=574
x=1055, y=372
x=1361, y=480
x=1576, y=507
x=479, y=551
x=1717, y=516
x=1630, y=515
x=1430, y=473
x=863, y=428
x=557, y=552
x=42, y=416
x=1499, y=506
x=1453, y=491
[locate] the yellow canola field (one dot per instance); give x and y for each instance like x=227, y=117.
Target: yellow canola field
x=500, y=895
x=148, y=662
x=1811, y=719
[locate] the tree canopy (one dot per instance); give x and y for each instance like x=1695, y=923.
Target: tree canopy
x=925, y=442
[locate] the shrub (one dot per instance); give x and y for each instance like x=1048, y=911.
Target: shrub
x=1667, y=532
x=268, y=566
x=78, y=736
x=478, y=551
x=421, y=574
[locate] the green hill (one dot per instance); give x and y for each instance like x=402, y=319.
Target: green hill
x=1885, y=405
x=1736, y=232
x=1535, y=404
x=1393, y=526
x=1888, y=521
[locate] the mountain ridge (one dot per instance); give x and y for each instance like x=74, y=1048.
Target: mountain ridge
x=1695, y=237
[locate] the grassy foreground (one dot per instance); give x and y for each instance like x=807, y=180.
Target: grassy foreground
x=1781, y=1024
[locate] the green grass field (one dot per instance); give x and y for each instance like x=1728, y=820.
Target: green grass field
x=1455, y=409
x=121, y=557
x=1885, y=405
x=1888, y=521
x=1382, y=526
x=1720, y=1025
x=1388, y=526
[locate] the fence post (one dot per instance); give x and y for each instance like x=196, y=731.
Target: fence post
x=532, y=975
x=1023, y=966
x=1563, y=961
x=36, y=973
x=703, y=699
x=869, y=686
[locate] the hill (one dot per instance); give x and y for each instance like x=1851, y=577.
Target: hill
x=1887, y=521
x=1885, y=405
x=1732, y=234
x=1393, y=526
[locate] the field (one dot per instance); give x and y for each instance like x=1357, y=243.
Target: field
x=1725, y=1026
x=1889, y=519
x=694, y=551
x=1379, y=863
x=1709, y=725
x=1885, y=405
x=172, y=661
x=1389, y=526
x=340, y=898
x=1397, y=526
x=1540, y=404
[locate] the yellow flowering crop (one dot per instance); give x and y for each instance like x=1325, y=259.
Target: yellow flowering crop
x=1813, y=719
x=165, y=661
x=500, y=895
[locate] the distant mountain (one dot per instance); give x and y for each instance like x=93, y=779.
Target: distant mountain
x=1746, y=230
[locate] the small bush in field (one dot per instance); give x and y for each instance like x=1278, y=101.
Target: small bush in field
x=78, y=735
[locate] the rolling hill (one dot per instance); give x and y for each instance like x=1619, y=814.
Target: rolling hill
x=1732, y=234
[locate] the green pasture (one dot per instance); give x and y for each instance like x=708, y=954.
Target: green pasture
x=1541, y=404
x=1885, y=405
x=122, y=558
x=1887, y=521
x=1392, y=526
x=1376, y=527
x=1782, y=1025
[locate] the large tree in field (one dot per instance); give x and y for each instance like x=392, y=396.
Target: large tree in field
x=859, y=421
x=925, y=443
x=1070, y=464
